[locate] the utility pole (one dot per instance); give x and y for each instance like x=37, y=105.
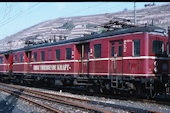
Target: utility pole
x=134, y=13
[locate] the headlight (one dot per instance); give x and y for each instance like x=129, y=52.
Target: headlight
x=155, y=63
x=155, y=66
x=155, y=70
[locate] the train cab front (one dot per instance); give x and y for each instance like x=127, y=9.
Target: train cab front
x=160, y=71
x=160, y=65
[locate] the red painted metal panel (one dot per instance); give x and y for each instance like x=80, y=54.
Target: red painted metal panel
x=10, y=63
x=19, y=67
x=125, y=65
x=4, y=67
x=116, y=66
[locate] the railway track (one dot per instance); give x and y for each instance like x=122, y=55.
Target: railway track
x=68, y=100
x=48, y=97
x=16, y=94
x=161, y=101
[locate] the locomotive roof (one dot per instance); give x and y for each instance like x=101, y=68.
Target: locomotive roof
x=94, y=36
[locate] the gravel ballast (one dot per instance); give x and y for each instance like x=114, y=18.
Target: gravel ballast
x=19, y=106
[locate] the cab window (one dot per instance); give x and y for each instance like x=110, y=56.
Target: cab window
x=157, y=47
x=57, y=54
x=35, y=56
x=42, y=55
x=21, y=57
x=97, y=51
x=16, y=58
x=136, y=47
x=1, y=60
x=68, y=53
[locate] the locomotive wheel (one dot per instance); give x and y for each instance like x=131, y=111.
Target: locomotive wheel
x=90, y=89
x=21, y=82
x=17, y=80
x=95, y=89
x=138, y=91
x=106, y=88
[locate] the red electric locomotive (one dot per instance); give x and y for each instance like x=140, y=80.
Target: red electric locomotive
x=131, y=59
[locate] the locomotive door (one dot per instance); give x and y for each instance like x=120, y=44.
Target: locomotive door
x=84, y=54
x=116, y=61
x=8, y=66
x=10, y=60
x=27, y=68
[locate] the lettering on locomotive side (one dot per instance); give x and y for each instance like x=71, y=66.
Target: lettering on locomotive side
x=125, y=45
x=36, y=67
x=59, y=67
x=64, y=67
x=91, y=52
x=72, y=56
x=47, y=67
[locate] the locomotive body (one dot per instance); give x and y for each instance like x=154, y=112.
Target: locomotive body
x=132, y=59
x=6, y=59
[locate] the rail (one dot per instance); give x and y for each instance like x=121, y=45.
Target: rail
x=57, y=98
x=45, y=96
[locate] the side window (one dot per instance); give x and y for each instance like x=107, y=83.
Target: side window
x=136, y=47
x=68, y=53
x=97, y=51
x=57, y=54
x=21, y=57
x=112, y=49
x=16, y=58
x=120, y=49
x=35, y=56
x=157, y=47
x=1, y=60
x=167, y=48
x=42, y=55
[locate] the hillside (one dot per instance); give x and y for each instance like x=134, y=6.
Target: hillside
x=75, y=27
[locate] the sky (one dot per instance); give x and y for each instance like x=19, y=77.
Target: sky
x=16, y=16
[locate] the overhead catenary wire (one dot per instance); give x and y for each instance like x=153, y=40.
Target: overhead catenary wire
x=6, y=11
x=17, y=15
x=89, y=7
x=3, y=11
x=31, y=7
x=24, y=12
